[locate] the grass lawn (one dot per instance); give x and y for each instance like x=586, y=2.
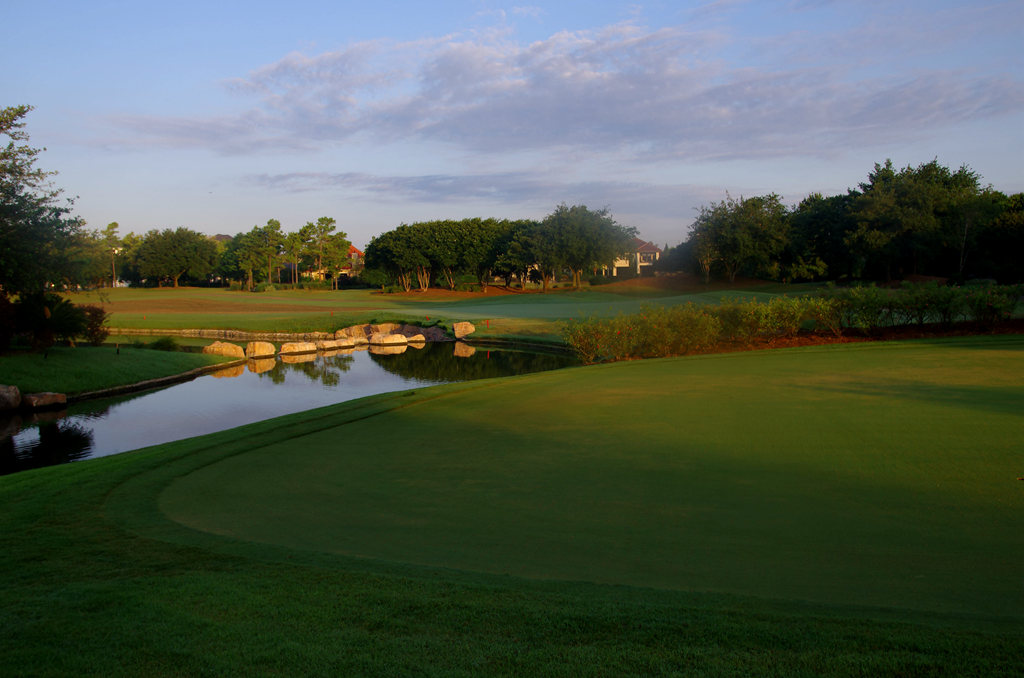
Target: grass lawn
x=88, y=368
x=842, y=510
x=533, y=316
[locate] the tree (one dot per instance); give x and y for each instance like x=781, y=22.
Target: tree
x=113, y=245
x=36, y=230
x=320, y=233
x=396, y=254
x=443, y=242
x=516, y=257
x=586, y=239
x=267, y=242
x=917, y=220
x=171, y=254
x=743, y=235
x=335, y=256
x=483, y=242
x=296, y=246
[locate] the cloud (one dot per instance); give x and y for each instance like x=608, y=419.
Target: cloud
x=528, y=193
x=648, y=94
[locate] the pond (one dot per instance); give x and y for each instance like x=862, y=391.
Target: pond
x=260, y=390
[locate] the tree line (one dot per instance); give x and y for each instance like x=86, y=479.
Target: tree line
x=926, y=220
x=263, y=253
x=573, y=239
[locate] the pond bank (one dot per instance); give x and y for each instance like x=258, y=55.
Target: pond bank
x=148, y=384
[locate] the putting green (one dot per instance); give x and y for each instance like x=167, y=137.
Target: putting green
x=870, y=474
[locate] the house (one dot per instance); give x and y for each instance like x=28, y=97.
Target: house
x=350, y=269
x=639, y=261
x=355, y=263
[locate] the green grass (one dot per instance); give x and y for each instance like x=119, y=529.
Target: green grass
x=849, y=510
x=532, y=317
x=88, y=368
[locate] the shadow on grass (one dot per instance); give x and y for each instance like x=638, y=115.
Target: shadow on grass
x=993, y=399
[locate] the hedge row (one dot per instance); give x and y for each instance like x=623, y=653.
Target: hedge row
x=692, y=328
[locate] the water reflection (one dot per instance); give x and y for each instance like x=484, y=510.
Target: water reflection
x=260, y=389
x=53, y=442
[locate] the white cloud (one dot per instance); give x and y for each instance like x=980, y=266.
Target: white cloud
x=648, y=94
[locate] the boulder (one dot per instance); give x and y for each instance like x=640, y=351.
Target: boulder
x=434, y=334
x=353, y=331
x=385, y=328
x=463, y=329
x=294, y=347
x=463, y=350
x=345, y=342
x=229, y=372
x=10, y=398
x=360, y=341
x=326, y=345
x=418, y=339
x=260, y=349
x=42, y=401
x=382, y=339
x=388, y=350
x=261, y=365
x=293, y=358
x=225, y=349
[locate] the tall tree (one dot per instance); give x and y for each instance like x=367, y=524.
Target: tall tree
x=267, y=242
x=320, y=234
x=37, y=231
x=742, y=235
x=171, y=254
x=587, y=239
x=113, y=245
x=296, y=246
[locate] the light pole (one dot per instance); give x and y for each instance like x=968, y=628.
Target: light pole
x=114, y=251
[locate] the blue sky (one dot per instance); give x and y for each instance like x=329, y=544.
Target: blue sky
x=219, y=116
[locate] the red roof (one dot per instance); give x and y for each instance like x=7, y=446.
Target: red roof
x=352, y=250
x=645, y=247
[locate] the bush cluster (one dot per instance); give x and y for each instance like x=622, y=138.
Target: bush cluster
x=41, y=319
x=679, y=330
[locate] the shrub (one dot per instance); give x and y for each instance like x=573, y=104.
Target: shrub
x=95, y=320
x=265, y=287
x=739, y=320
x=826, y=314
x=783, y=317
x=990, y=304
x=697, y=329
x=163, y=344
x=865, y=308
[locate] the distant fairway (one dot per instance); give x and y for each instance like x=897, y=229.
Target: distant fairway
x=871, y=475
x=534, y=316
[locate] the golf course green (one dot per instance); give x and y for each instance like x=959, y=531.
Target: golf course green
x=840, y=510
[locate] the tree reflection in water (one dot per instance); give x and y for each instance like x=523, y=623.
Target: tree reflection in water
x=435, y=362
x=59, y=442
x=324, y=368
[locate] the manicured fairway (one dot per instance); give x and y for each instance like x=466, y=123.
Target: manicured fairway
x=534, y=315
x=880, y=475
x=849, y=510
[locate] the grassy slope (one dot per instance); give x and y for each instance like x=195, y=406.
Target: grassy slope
x=88, y=368
x=96, y=580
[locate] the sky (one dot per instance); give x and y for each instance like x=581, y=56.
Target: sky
x=221, y=115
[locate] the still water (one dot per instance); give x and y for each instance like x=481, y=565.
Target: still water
x=242, y=395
